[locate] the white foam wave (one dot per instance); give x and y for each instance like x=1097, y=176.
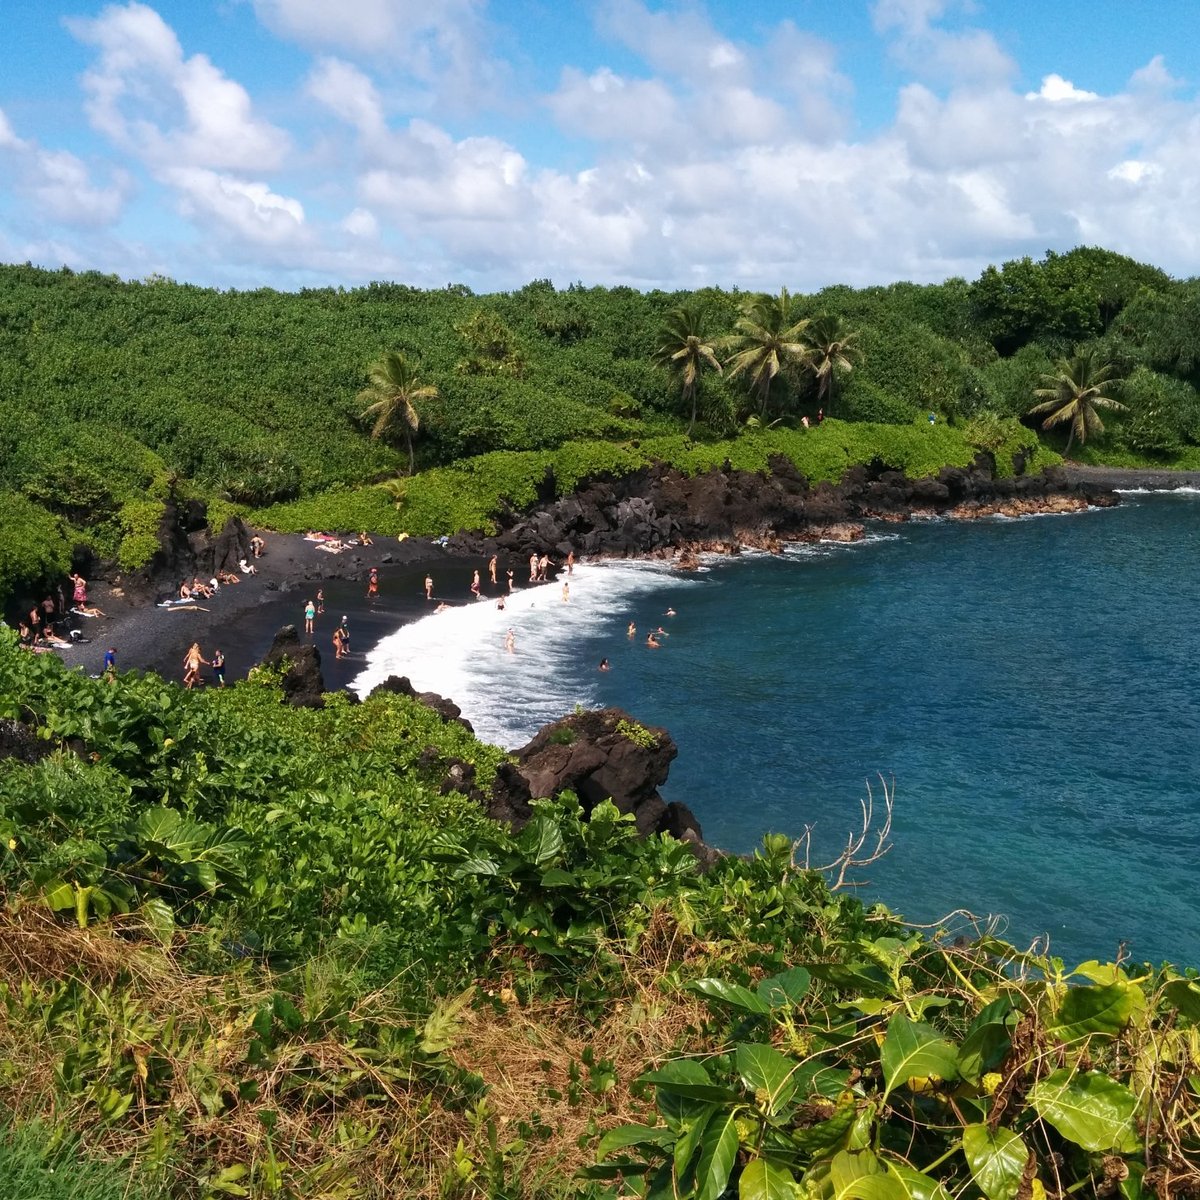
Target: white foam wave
x=460, y=652
x=827, y=546
x=1163, y=491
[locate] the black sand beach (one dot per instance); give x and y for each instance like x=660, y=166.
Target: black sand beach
x=242, y=619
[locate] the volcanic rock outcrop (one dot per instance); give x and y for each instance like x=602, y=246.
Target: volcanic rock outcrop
x=303, y=684
x=659, y=510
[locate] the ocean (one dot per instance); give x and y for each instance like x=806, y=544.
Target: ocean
x=1026, y=690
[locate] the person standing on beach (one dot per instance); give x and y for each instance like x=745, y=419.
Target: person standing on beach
x=543, y=567
x=310, y=612
x=570, y=562
x=345, y=629
x=110, y=664
x=475, y=584
x=373, y=584
x=79, y=595
x=533, y=568
x=320, y=600
x=509, y=573
x=193, y=660
x=566, y=592
x=218, y=666
x=428, y=587
x=492, y=569
x=510, y=641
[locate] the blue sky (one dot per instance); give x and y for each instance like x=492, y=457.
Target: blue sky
x=289, y=143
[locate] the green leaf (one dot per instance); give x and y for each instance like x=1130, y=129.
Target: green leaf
x=919, y=1185
x=987, y=1040
x=730, y=993
x=815, y=1078
x=634, y=1135
x=914, y=1049
x=58, y=895
x=441, y=1027
x=764, y=1069
x=1087, y=1108
x=675, y=1107
x=997, y=1160
x=788, y=987
x=557, y=877
x=763, y=1180
x=160, y=919
x=689, y=1142
x=825, y=1135
x=718, y=1153
x=1183, y=994
x=860, y=1175
x=541, y=840
x=1093, y=1010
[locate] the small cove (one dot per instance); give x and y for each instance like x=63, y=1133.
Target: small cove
x=1031, y=687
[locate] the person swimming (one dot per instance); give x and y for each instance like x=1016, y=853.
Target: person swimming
x=603, y=665
x=632, y=630
x=669, y=613
x=510, y=642
x=652, y=641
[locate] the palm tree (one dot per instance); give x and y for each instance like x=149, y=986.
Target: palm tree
x=685, y=352
x=766, y=341
x=1073, y=393
x=830, y=351
x=393, y=394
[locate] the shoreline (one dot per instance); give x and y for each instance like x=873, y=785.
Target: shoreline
x=243, y=619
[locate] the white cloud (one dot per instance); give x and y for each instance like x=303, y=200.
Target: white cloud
x=8, y=137
x=248, y=210
x=59, y=184
x=349, y=93
x=446, y=45
x=607, y=107
x=361, y=223
x=967, y=56
x=167, y=110
x=1058, y=90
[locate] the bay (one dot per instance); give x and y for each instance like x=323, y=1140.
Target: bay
x=1028, y=691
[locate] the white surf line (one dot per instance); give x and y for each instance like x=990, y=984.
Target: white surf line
x=460, y=653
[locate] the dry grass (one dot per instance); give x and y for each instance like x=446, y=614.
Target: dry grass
x=344, y=1123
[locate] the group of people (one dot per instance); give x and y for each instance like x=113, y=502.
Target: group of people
x=48, y=624
x=653, y=638
x=315, y=608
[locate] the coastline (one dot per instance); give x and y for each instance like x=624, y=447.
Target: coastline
x=243, y=619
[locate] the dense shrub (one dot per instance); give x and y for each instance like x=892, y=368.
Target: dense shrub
x=34, y=547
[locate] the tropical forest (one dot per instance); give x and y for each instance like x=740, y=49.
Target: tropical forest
x=249, y=949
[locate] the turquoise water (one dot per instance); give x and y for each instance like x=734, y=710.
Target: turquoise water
x=1030, y=686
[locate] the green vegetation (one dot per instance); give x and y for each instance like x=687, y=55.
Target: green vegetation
x=1073, y=393
x=118, y=393
x=468, y=494
x=35, y=1164
x=392, y=399
x=247, y=950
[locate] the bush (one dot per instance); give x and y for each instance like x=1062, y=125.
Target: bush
x=140, y=521
x=34, y=549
